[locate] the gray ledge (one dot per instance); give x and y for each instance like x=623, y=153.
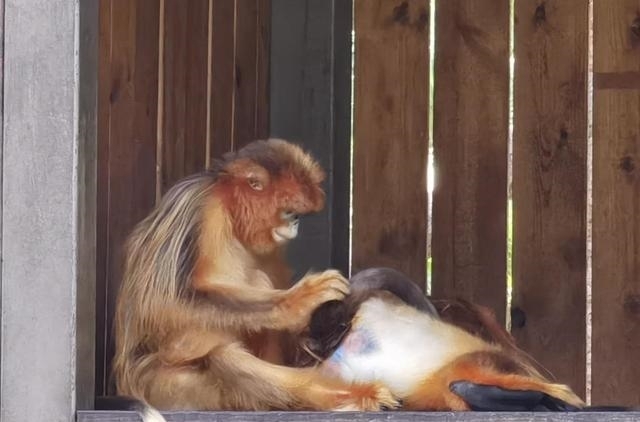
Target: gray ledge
x=104, y=416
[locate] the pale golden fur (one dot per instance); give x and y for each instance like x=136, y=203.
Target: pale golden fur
x=197, y=306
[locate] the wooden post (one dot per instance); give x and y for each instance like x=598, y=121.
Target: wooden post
x=48, y=209
x=470, y=151
x=310, y=104
x=549, y=185
x=616, y=202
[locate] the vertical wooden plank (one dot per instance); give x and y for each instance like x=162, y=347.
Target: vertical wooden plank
x=342, y=51
x=616, y=202
x=222, y=77
x=102, y=197
x=245, y=83
x=549, y=185
x=127, y=147
x=310, y=103
x=391, y=135
x=470, y=151
x=251, y=50
x=263, y=67
x=184, y=112
x=240, y=73
x=86, y=194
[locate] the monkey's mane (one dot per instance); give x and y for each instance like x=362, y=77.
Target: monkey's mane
x=159, y=258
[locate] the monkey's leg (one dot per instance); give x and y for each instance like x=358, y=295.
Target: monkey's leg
x=435, y=393
x=230, y=378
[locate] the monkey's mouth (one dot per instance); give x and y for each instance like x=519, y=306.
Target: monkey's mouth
x=287, y=231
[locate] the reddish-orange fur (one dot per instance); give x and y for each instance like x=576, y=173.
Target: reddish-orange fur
x=434, y=393
x=198, y=318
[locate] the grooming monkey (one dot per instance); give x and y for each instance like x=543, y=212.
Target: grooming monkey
x=197, y=314
x=386, y=330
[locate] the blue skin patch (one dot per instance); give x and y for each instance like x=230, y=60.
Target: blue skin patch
x=358, y=342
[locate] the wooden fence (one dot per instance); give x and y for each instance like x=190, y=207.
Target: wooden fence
x=184, y=81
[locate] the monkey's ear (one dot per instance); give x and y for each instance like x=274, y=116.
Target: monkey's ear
x=246, y=170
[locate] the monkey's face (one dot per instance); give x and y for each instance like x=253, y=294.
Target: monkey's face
x=266, y=187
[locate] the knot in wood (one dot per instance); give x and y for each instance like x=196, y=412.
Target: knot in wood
x=635, y=27
x=401, y=13
x=564, y=138
x=632, y=304
x=627, y=164
x=540, y=15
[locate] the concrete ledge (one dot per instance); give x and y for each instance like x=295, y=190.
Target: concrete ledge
x=104, y=416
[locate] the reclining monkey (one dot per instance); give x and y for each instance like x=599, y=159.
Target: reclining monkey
x=388, y=331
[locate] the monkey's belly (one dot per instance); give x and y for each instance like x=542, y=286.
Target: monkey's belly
x=396, y=345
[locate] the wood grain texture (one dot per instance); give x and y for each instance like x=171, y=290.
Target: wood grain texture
x=310, y=104
x=616, y=207
x=549, y=185
x=251, y=71
x=86, y=165
x=222, y=77
x=470, y=151
x=391, y=135
x=102, y=197
x=263, y=67
x=184, y=138
x=364, y=417
x=127, y=147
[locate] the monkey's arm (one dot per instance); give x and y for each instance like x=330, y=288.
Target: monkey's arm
x=257, y=308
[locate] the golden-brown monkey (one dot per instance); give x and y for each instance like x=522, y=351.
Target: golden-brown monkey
x=197, y=301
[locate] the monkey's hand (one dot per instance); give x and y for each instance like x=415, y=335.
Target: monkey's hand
x=313, y=290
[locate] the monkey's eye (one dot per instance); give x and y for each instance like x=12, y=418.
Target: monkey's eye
x=288, y=215
x=255, y=184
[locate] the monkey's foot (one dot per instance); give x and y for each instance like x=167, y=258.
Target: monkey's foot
x=367, y=398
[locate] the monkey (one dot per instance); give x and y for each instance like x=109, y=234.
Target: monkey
x=387, y=331
x=202, y=293
x=472, y=317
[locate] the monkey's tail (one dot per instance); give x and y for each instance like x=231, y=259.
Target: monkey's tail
x=146, y=412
